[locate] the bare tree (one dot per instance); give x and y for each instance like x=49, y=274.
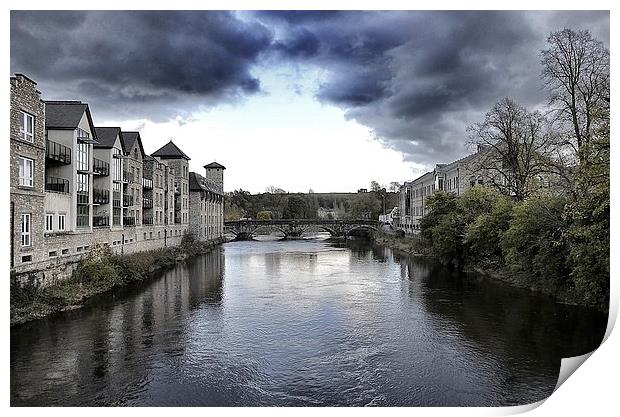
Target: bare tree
x=513, y=145
x=374, y=186
x=576, y=74
x=394, y=186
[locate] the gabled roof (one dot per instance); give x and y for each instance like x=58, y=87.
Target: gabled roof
x=107, y=136
x=130, y=139
x=170, y=151
x=199, y=183
x=66, y=115
x=214, y=165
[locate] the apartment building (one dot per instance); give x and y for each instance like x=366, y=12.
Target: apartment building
x=207, y=202
x=73, y=185
x=456, y=177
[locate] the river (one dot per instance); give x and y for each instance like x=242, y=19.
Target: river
x=302, y=323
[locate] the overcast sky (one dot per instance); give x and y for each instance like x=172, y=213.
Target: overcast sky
x=299, y=100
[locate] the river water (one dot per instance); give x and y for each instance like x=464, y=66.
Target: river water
x=302, y=323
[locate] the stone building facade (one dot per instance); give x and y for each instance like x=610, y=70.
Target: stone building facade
x=74, y=185
x=456, y=177
x=27, y=171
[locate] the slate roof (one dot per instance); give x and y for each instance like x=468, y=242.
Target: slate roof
x=66, y=114
x=199, y=183
x=107, y=136
x=170, y=151
x=214, y=165
x=130, y=138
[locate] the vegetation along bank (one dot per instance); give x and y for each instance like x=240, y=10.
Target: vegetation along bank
x=98, y=272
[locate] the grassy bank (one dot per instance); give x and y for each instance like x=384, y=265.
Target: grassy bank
x=98, y=272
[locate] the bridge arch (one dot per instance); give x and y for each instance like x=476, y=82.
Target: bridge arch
x=270, y=227
x=327, y=229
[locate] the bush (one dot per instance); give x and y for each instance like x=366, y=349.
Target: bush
x=533, y=246
x=484, y=235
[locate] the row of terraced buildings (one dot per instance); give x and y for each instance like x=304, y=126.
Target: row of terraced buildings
x=74, y=184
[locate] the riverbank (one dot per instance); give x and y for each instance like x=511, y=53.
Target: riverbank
x=100, y=271
x=413, y=245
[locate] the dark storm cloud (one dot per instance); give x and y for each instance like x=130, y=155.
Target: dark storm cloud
x=139, y=63
x=419, y=78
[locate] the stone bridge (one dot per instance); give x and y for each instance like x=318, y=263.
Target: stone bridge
x=294, y=228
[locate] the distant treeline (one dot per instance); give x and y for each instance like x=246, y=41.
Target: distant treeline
x=364, y=205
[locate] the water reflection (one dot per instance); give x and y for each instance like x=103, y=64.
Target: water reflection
x=302, y=323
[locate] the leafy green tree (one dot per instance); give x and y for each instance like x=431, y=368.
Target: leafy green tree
x=533, y=244
x=263, y=215
x=296, y=207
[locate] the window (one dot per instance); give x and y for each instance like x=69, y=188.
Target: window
x=49, y=222
x=26, y=171
x=82, y=152
x=65, y=251
x=26, y=127
x=83, y=216
x=53, y=254
x=27, y=258
x=26, y=230
x=61, y=222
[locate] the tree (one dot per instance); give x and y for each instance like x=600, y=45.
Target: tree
x=394, y=187
x=365, y=206
x=274, y=190
x=514, y=144
x=295, y=208
x=263, y=215
x=576, y=74
x=374, y=186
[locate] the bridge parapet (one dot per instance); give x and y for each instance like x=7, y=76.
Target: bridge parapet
x=244, y=229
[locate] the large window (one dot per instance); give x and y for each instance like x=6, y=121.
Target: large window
x=26, y=126
x=26, y=171
x=26, y=230
x=82, y=151
x=83, y=216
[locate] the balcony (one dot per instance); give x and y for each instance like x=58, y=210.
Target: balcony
x=101, y=167
x=127, y=200
x=101, y=221
x=101, y=196
x=177, y=218
x=147, y=203
x=177, y=191
x=82, y=197
x=57, y=185
x=116, y=199
x=147, y=220
x=129, y=221
x=55, y=152
x=147, y=183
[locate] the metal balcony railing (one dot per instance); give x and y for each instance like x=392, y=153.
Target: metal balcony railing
x=177, y=218
x=82, y=197
x=148, y=220
x=57, y=185
x=147, y=203
x=57, y=152
x=101, y=196
x=129, y=221
x=147, y=183
x=101, y=221
x=101, y=167
x=127, y=200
